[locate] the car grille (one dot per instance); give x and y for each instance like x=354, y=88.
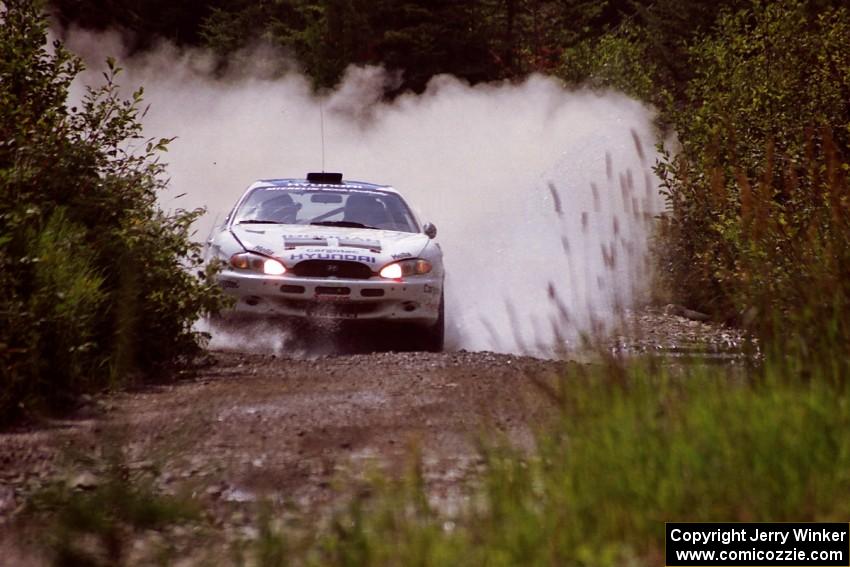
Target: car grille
x=332, y=268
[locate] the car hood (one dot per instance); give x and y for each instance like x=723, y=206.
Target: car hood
x=296, y=243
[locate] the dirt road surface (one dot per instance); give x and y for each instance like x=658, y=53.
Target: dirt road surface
x=292, y=432
x=298, y=434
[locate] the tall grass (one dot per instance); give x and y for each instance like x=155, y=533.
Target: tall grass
x=55, y=325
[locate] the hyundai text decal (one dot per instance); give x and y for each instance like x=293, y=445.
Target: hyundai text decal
x=326, y=256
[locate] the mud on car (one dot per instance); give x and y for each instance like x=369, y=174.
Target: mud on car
x=325, y=248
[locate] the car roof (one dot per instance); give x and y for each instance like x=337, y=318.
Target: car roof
x=304, y=184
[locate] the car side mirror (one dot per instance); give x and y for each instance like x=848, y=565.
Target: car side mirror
x=430, y=230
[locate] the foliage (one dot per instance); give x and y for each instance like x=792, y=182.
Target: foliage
x=615, y=61
x=477, y=40
x=88, y=264
x=141, y=23
x=766, y=75
x=418, y=37
x=758, y=193
x=54, y=328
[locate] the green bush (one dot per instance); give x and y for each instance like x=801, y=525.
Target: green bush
x=758, y=199
x=95, y=280
x=771, y=257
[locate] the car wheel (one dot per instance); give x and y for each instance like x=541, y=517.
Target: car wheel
x=434, y=337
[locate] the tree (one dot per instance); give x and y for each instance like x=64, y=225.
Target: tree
x=141, y=23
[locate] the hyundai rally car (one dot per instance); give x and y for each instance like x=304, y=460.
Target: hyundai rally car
x=324, y=248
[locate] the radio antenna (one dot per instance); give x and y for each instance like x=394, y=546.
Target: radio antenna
x=322, y=120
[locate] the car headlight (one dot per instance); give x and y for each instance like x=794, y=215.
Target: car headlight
x=398, y=270
x=257, y=263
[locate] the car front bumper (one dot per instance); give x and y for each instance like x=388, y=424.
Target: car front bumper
x=412, y=300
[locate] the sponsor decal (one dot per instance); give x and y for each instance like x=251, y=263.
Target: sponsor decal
x=355, y=242
x=292, y=241
x=228, y=284
x=264, y=250
x=402, y=256
x=328, y=250
x=360, y=240
x=347, y=188
x=331, y=256
x=430, y=289
x=308, y=240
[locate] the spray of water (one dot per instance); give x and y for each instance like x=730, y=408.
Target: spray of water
x=540, y=192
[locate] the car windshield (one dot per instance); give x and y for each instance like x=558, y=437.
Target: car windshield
x=327, y=207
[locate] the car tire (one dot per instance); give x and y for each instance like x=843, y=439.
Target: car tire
x=434, y=337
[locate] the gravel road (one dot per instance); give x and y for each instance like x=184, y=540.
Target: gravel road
x=298, y=433
x=286, y=431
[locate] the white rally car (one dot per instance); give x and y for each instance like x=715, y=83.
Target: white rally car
x=324, y=248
